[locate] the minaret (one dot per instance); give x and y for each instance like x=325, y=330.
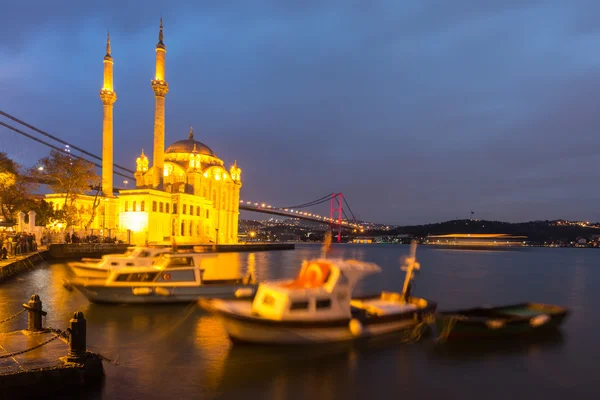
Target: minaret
x=108, y=97
x=160, y=87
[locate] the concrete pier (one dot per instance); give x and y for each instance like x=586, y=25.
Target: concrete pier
x=40, y=361
x=14, y=265
x=224, y=248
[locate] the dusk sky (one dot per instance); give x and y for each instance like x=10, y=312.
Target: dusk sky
x=418, y=111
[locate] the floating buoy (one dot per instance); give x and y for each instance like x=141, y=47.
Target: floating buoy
x=356, y=327
x=141, y=291
x=244, y=292
x=162, y=291
x=539, y=320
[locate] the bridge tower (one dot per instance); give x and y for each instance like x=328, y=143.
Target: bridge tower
x=160, y=88
x=108, y=97
x=335, y=212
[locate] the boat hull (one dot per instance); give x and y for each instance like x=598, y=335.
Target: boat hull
x=496, y=322
x=85, y=270
x=255, y=330
x=158, y=294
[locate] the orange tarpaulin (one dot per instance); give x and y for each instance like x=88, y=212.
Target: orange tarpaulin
x=313, y=275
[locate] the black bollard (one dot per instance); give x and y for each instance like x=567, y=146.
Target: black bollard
x=77, y=342
x=34, y=313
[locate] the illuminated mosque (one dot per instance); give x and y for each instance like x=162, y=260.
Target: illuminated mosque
x=186, y=195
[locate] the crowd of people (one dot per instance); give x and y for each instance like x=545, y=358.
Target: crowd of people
x=17, y=244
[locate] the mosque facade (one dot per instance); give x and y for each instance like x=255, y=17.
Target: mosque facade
x=186, y=195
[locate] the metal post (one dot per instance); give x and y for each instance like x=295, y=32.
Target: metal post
x=34, y=313
x=77, y=337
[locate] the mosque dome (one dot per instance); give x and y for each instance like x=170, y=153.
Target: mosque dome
x=188, y=145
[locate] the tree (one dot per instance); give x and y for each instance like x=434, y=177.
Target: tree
x=15, y=187
x=44, y=212
x=70, y=176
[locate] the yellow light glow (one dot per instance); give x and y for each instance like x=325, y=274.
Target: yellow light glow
x=136, y=221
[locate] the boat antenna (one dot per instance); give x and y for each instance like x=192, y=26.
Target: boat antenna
x=326, y=245
x=410, y=265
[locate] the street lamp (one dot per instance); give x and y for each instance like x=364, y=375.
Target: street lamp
x=125, y=183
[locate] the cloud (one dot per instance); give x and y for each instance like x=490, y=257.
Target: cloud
x=415, y=110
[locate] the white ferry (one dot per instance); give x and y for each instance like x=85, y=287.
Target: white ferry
x=101, y=268
x=174, y=278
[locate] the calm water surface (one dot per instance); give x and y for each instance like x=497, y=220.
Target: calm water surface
x=180, y=352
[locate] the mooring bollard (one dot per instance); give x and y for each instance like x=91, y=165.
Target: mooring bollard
x=77, y=341
x=34, y=313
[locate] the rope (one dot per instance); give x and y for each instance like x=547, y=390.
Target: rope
x=16, y=353
x=446, y=329
x=13, y=316
x=108, y=360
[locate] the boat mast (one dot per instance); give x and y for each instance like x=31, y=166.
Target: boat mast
x=410, y=265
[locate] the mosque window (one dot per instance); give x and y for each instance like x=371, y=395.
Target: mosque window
x=133, y=207
x=126, y=205
x=198, y=229
x=198, y=210
x=167, y=208
x=175, y=208
x=183, y=209
x=191, y=227
x=154, y=206
x=142, y=204
x=207, y=214
x=161, y=207
x=182, y=228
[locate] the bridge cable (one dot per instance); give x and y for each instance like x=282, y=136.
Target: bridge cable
x=59, y=149
x=311, y=203
x=60, y=140
x=349, y=209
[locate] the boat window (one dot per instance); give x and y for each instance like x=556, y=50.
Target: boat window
x=144, y=254
x=129, y=264
x=299, y=305
x=122, y=278
x=323, y=303
x=137, y=277
x=114, y=263
x=176, y=262
x=268, y=300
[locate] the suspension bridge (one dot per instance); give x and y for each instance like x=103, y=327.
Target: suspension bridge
x=338, y=218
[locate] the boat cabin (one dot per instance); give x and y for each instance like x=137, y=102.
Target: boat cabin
x=322, y=290
x=185, y=269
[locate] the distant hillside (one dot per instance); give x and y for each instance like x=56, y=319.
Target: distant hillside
x=536, y=231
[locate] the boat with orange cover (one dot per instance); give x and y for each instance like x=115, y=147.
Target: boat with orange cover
x=317, y=307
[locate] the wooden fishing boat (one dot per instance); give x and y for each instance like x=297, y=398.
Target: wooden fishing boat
x=495, y=322
x=318, y=307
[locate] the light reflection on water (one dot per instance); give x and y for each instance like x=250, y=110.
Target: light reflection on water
x=179, y=351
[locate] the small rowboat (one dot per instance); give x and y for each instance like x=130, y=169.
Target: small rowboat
x=494, y=322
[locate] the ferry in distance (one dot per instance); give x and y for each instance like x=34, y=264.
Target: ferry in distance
x=477, y=241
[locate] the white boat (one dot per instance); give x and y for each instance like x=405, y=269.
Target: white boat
x=317, y=307
x=101, y=268
x=174, y=278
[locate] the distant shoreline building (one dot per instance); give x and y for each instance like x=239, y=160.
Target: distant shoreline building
x=187, y=194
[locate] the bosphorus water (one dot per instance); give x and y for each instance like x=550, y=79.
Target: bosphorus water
x=181, y=352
